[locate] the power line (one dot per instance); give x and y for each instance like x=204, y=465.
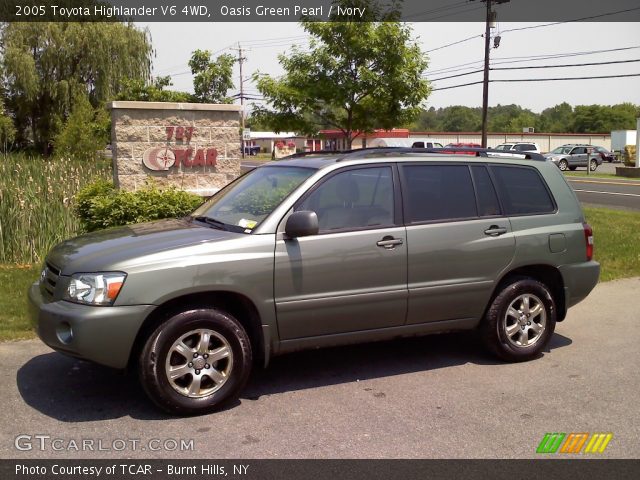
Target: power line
x=538, y=66
x=454, y=43
x=510, y=80
x=591, y=17
x=530, y=58
x=567, y=65
x=571, y=21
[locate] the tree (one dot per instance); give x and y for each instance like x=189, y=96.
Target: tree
x=7, y=130
x=356, y=76
x=85, y=131
x=139, y=90
x=212, y=78
x=556, y=119
x=510, y=118
x=47, y=66
x=604, y=118
x=461, y=119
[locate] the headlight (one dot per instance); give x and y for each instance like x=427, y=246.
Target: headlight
x=95, y=288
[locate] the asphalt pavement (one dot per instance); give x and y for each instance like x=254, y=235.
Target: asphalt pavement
x=617, y=193
x=434, y=397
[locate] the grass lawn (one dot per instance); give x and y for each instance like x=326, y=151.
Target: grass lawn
x=616, y=242
x=15, y=281
x=594, y=175
x=616, y=248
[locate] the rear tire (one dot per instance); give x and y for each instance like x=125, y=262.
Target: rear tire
x=572, y=168
x=195, y=362
x=593, y=165
x=520, y=320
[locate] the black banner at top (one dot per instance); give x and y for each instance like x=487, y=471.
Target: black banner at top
x=320, y=10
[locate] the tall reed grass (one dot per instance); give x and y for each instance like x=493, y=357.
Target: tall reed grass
x=36, y=203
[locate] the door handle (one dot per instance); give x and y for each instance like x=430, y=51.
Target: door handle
x=495, y=231
x=389, y=242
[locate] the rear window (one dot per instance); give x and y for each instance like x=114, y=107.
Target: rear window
x=522, y=191
x=438, y=192
x=525, y=147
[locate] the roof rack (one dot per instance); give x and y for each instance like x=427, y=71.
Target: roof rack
x=379, y=151
x=476, y=151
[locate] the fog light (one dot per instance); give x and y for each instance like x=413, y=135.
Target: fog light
x=64, y=333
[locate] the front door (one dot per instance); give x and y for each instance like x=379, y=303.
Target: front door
x=352, y=276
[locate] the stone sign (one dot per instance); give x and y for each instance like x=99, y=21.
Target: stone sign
x=191, y=146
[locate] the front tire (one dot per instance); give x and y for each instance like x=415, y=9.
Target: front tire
x=520, y=320
x=195, y=362
x=563, y=165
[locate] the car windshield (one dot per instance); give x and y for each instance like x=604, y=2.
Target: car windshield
x=562, y=150
x=242, y=205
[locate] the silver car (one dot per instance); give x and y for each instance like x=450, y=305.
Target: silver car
x=572, y=156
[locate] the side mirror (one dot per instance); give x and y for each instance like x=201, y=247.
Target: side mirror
x=301, y=224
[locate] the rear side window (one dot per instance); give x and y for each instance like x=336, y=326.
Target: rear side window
x=438, y=192
x=488, y=204
x=522, y=191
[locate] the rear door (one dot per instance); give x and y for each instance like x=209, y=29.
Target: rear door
x=458, y=240
x=578, y=157
x=352, y=276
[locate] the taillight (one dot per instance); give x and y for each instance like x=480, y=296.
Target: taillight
x=588, y=237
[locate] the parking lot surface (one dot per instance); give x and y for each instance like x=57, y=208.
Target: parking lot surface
x=431, y=397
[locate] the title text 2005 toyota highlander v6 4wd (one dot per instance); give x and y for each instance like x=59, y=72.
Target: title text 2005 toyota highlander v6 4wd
x=318, y=251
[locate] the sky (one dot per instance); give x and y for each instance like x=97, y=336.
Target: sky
x=263, y=42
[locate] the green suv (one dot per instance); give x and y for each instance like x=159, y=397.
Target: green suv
x=322, y=250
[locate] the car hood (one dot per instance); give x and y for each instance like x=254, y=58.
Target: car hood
x=98, y=251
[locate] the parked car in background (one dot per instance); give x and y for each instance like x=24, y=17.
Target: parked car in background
x=519, y=147
x=413, y=142
x=462, y=145
x=606, y=155
x=251, y=149
x=572, y=156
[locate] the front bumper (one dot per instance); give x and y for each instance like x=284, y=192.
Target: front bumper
x=104, y=335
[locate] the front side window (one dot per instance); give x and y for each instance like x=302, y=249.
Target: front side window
x=522, y=191
x=438, y=192
x=352, y=200
x=247, y=202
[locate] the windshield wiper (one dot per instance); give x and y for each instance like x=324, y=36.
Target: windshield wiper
x=213, y=222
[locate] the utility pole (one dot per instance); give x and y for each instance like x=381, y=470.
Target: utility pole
x=485, y=83
x=241, y=60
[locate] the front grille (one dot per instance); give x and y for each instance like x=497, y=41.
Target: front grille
x=50, y=279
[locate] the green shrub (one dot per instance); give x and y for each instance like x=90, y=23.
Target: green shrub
x=101, y=205
x=84, y=133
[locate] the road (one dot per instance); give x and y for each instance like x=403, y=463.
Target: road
x=432, y=397
x=607, y=192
